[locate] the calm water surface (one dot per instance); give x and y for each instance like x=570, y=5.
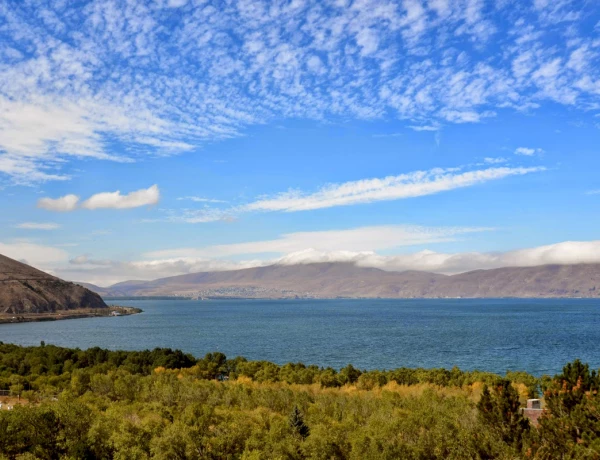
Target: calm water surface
x=538, y=336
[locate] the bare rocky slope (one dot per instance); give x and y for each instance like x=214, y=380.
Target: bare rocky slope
x=328, y=280
x=24, y=289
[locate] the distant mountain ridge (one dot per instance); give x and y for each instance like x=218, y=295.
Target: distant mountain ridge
x=24, y=289
x=330, y=280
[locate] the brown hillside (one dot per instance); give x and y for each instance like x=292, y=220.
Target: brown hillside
x=329, y=280
x=24, y=289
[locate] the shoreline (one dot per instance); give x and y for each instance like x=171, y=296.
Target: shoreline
x=110, y=311
x=181, y=297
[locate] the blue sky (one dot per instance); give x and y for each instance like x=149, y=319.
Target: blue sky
x=145, y=139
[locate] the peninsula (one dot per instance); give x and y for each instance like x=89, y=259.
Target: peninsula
x=28, y=294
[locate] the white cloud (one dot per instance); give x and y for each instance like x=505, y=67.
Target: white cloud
x=199, y=199
x=493, y=161
x=38, y=226
x=85, y=260
x=581, y=58
x=357, y=239
x=383, y=135
x=35, y=134
x=63, y=204
x=108, y=272
x=415, y=184
x=528, y=151
x=200, y=216
x=114, y=200
x=176, y=3
x=593, y=192
x=556, y=11
x=168, y=146
x=465, y=116
x=425, y=127
x=336, y=243
x=226, y=68
x=569, y=252
x=66, y=128
x=368, y=40
x=403, y=186
x=26, y=171
x=39, y=256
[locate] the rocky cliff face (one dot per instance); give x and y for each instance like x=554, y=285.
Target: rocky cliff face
x=23, y=289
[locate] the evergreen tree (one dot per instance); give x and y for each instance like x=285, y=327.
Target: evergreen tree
x=297, y=423
x=569, y=389
x=571, y=426
x=485, y=404
x=500, y=409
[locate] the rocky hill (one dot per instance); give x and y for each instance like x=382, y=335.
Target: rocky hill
x=24, y=289
x=327, y=280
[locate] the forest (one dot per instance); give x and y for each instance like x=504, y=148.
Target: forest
x=64, y=403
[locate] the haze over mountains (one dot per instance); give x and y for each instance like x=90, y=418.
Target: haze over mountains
x=24, y=289
x=329, y=280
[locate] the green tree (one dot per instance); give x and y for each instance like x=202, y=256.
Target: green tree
x=349, y=374
x=571, y=426
x=297, y=424
x=500, y=410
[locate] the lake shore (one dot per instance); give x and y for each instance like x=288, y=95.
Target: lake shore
x=112, y=310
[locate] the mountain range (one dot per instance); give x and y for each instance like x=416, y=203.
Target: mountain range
x=24, y=289
x=331, y=280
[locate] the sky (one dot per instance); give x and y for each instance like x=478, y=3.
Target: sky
x=142, y=139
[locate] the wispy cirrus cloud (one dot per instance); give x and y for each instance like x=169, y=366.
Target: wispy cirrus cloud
x=425, y=127
x=411, y=185
x=202, y=215
x=400, y=187
x=384, y=135
x=38, y=226
x=196, y=72
x=558, y=11
x=199, y=199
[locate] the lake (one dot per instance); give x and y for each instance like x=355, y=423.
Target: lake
x=534, y=335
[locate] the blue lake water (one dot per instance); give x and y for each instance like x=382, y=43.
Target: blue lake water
x=538, y=336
